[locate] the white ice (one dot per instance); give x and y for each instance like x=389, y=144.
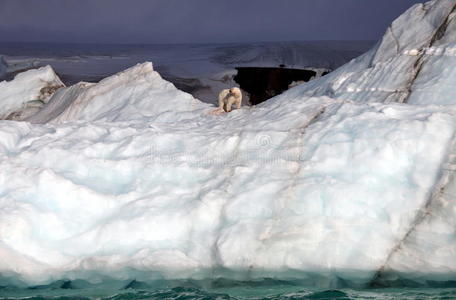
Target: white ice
x=27, y=90
x=137, y=93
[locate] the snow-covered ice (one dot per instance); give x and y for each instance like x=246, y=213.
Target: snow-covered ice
x=331, y=182
x=136, y=93
x=27, y=90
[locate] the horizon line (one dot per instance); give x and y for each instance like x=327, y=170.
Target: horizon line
x=180, y=43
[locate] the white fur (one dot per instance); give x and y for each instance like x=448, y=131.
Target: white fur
x=230, y=97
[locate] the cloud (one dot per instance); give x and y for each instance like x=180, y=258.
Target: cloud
x=162, y=21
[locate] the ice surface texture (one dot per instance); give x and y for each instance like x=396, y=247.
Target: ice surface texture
x=131, y=178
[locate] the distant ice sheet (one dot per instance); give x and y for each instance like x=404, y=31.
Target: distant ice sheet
x=3, y=67
x=202, y=70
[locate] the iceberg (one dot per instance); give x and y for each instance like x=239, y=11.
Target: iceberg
x=346, y=180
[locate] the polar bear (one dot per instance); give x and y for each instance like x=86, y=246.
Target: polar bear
x=228, y=97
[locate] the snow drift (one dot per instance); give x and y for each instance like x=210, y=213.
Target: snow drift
x=330, y=183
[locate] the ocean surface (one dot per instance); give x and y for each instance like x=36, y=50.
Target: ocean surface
x=239, y=292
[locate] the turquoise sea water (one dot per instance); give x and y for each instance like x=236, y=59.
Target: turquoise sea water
x=244, y=292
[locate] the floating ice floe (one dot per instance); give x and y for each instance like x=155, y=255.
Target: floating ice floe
x=330, y=183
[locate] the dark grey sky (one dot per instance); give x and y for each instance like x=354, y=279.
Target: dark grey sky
x=181, y=21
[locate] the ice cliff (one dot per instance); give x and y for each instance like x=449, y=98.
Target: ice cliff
x=331, y=183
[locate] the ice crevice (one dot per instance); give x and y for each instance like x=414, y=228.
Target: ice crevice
x=398, y=46
x=226, y=187
x=289, y=192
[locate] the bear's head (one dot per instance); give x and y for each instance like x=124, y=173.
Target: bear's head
x=235, y=91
